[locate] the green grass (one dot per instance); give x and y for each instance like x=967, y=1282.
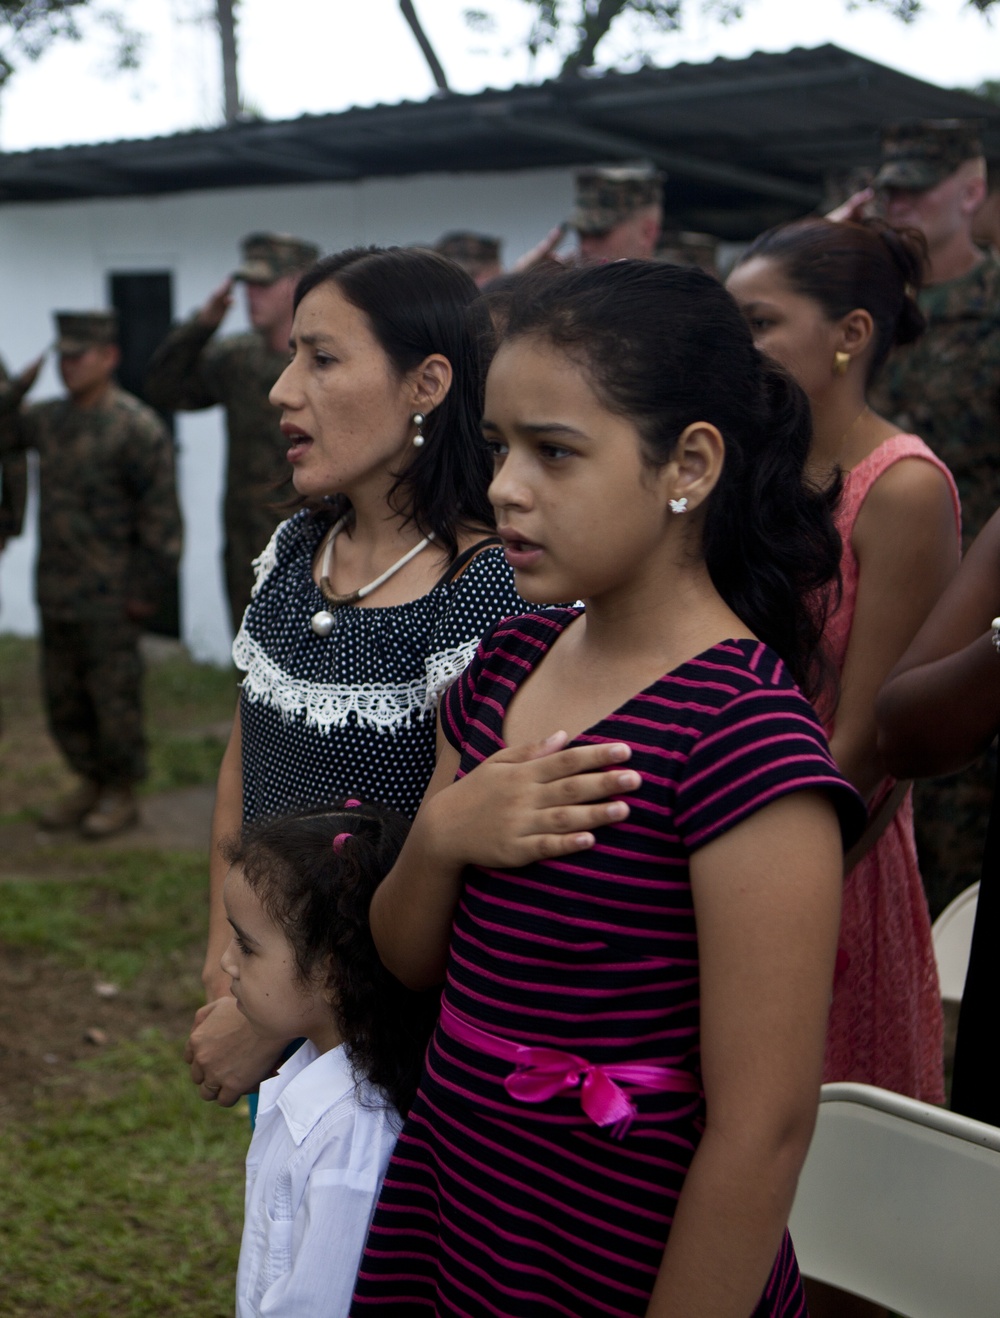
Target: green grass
x=188, y=708
x=187, y=695
x=122, y=1192
x=118, y=914
x=182, y=762
x=122, y=1196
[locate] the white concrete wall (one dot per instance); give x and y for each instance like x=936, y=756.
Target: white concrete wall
x=58, y=256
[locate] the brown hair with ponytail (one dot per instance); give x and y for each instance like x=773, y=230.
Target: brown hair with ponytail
x=852, y=264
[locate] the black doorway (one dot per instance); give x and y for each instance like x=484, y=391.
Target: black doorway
x=144, y=302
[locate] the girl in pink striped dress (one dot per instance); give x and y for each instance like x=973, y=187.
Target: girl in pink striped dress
x=627, y=867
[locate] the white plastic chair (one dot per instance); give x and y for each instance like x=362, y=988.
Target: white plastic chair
x=952, y=936
x=899, y=1202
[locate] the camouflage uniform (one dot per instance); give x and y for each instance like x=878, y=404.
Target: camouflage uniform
x=192, y=370
x=477, y=253
x=110, y=533
x=945, y=388
x=607, y=196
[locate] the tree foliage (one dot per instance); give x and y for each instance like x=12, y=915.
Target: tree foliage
x=29, y=27
x=577, y=27
x=908, y=10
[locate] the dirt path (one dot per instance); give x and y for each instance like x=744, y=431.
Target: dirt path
x=171, y=821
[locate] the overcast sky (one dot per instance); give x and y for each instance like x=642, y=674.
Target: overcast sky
x=313, y=56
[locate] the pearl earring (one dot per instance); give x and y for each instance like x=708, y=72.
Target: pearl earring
x=678, y=505
x=418, y=421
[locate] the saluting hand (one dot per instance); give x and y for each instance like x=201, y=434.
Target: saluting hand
x=29, y=375
x=213, y=312
x=856, y=207
x=544, y=252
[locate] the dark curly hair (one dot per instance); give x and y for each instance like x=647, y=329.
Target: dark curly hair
x=319, y=897
x=666, y=346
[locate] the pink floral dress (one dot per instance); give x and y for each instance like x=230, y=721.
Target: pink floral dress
x=885, y=1018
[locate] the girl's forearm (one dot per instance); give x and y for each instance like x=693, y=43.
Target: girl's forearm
x=855, y=748
x=413, y=907
x=935, y=718
x=728, y=1225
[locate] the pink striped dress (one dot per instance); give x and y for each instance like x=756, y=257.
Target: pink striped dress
x=548, y=1186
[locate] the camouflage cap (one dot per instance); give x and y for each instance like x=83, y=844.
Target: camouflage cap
x=270, y=256
x=605, y=197
x=76, y=331
x=922, y=153
x=463, y=245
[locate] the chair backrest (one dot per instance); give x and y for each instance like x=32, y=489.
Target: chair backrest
x=899, y=1202
x=952, y=936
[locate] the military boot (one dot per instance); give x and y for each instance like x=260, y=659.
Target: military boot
x=115, y=810
x=70, y=810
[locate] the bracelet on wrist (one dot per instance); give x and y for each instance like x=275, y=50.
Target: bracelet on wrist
x=995, y=634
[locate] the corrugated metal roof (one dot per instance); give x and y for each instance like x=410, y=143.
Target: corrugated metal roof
x=746, y=142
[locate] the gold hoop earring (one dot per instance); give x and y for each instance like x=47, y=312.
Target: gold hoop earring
x=841, y=361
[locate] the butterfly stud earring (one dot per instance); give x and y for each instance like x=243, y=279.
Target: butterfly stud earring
x=678, y=505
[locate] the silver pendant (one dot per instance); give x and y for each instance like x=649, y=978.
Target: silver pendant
x=322, y=623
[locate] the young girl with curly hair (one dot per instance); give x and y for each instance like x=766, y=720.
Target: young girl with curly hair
x=302, y=963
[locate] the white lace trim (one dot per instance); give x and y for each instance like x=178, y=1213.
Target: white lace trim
x=266, y=561
x=383, y=706
x=444, y=667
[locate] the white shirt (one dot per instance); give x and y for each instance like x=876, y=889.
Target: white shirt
x=314, y=1169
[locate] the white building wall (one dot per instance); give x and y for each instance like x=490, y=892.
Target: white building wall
x=58, y=256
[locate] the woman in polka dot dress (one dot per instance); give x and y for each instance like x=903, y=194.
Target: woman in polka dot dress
x=373, y=597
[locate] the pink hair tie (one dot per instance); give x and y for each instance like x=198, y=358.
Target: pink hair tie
x=339, y=840
x=348, y=804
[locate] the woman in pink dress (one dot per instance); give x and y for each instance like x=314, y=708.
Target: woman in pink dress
x=828, y=301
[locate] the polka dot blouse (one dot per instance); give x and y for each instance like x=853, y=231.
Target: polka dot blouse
x=352, y=713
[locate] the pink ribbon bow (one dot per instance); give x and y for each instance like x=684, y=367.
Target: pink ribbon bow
x=543, y=1073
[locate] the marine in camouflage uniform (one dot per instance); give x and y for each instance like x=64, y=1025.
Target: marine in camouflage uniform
x=477, y=253
x=945, y=388
x=618, y=212
x=192, y=369
x=110, y=535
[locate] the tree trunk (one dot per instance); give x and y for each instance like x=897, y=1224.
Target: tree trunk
x=230, y=81
x=594, y=26
x=433, y=63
